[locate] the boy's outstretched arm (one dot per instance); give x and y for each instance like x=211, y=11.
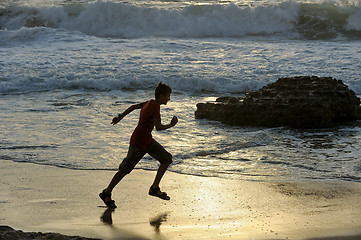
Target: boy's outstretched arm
x=126, y=112
x=159, y=126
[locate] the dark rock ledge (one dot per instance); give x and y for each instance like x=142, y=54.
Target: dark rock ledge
x=8, y=233
x=298, y=102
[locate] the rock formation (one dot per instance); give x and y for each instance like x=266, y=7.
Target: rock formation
x=298, y=102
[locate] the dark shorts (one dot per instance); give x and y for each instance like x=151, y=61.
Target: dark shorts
x=134, y=155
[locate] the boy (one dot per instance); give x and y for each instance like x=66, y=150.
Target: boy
x=142, y=142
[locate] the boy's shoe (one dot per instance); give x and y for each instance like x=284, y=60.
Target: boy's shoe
x=110, y=203
x=157, y=193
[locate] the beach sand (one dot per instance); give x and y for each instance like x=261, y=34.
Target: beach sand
x=38, y=198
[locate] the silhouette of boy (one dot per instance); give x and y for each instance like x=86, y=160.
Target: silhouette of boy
x=142, y=142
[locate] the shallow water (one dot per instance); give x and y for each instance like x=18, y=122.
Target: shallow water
x=67, y=69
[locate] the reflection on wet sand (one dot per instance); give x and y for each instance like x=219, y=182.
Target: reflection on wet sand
x=107, y=216
x=157, y=221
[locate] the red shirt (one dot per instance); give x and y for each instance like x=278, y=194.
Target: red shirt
x=142, y=135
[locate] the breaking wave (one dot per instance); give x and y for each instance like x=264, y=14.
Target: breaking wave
x=121, y=20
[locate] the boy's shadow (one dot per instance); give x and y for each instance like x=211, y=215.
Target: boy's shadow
x=107, y=216
x=155, y=222
x=118, y=233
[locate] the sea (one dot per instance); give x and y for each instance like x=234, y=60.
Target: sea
x=67, y=67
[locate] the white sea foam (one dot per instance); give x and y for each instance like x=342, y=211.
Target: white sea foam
x=128, y=21
x=354, y=21
x=67, y=46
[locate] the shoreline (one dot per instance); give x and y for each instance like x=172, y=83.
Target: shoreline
x=51, y=199
x=9, y=233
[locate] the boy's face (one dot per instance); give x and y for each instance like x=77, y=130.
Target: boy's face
x=164, y=98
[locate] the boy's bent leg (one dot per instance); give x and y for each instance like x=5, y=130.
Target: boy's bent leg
x=158, y=152
x=160, y=173
x=154, y=189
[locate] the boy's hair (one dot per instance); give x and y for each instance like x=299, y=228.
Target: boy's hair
x=163, y=89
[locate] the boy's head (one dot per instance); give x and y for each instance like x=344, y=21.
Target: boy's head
x=162, y=89
x=162, y=93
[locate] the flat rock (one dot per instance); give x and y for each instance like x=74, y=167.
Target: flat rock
x=298, y=102
x=8, y=233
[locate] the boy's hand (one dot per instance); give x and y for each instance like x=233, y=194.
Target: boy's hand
x=116, y=120
x=174, y=121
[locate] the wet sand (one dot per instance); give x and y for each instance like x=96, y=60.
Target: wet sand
x=36, y=198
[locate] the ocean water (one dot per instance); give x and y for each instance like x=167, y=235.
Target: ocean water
x=67, y=67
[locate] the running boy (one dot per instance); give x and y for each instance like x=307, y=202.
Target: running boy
x=142, y=142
